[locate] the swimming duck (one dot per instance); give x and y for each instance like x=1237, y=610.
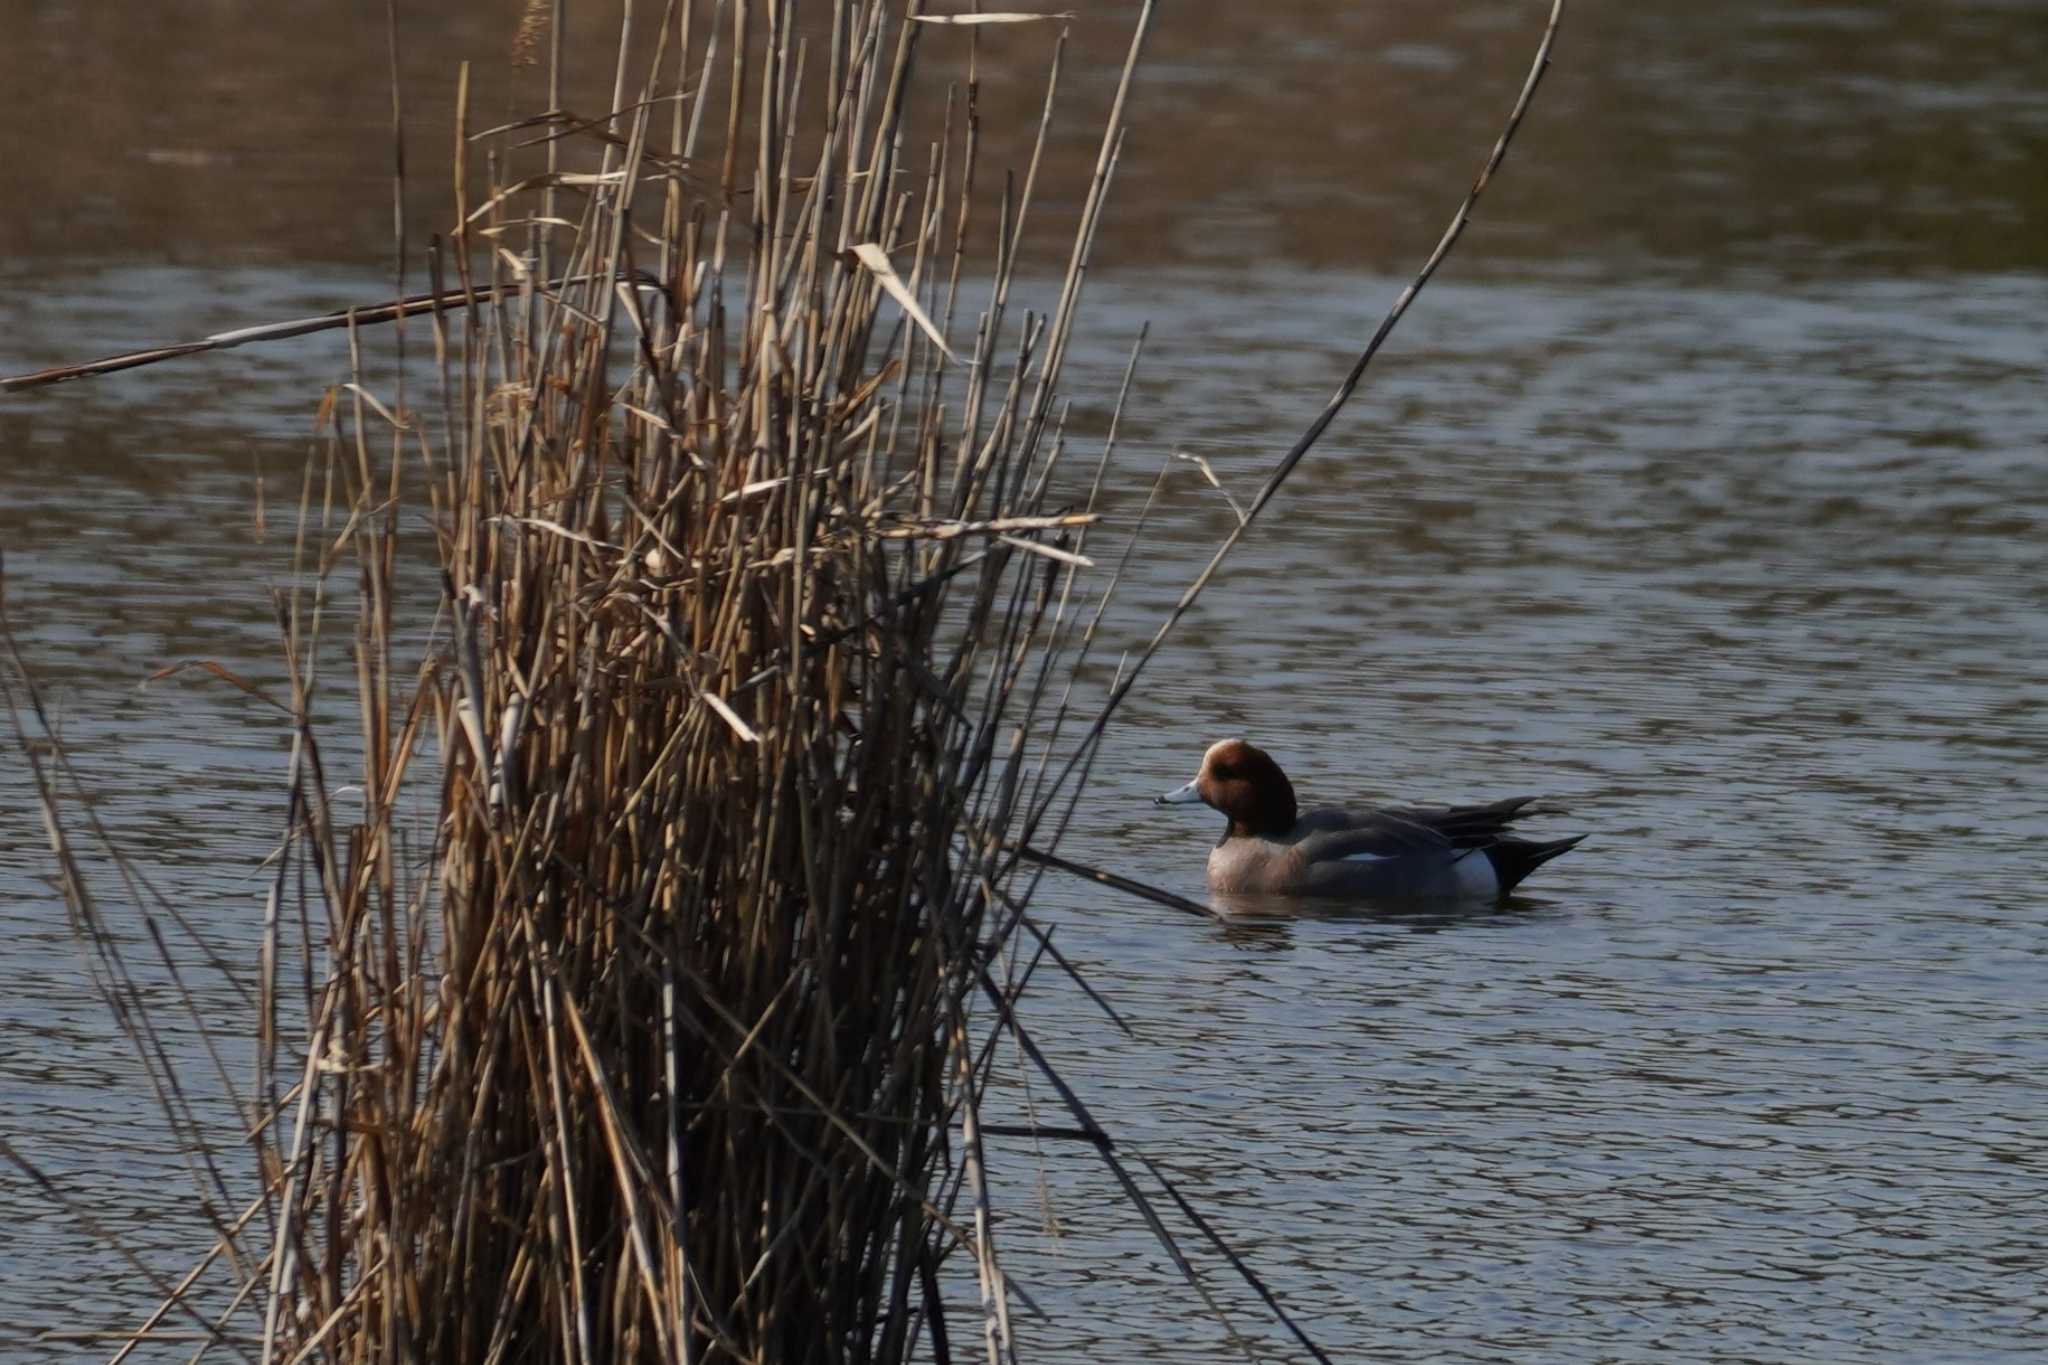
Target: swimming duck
x=1458, y=853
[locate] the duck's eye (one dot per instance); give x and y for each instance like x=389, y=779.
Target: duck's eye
x=1225, y=774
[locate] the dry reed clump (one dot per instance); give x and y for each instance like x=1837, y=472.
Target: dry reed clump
x=754, y=590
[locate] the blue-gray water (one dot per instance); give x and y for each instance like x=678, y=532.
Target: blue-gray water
x=1739, y=548
x=1755, y=578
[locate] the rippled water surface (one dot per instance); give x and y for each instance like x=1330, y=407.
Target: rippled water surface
x=1756, y=580
x=1741, y=551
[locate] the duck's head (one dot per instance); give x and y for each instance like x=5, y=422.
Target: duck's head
x=1246, y=785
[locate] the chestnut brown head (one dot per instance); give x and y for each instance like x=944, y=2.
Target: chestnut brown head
x=1246, y=785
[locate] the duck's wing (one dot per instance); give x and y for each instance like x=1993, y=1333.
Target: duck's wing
x=1347, y=836
x=1470, y=826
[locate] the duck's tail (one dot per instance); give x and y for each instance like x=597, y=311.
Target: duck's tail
x=1514, y=859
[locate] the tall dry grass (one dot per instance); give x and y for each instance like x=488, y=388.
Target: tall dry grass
x=754, y=589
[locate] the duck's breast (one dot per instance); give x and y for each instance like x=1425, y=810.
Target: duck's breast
x=1243, y=866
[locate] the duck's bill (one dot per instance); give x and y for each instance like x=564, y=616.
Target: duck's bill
x=1179, y=796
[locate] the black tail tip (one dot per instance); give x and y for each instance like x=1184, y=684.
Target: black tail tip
x=1514, y=859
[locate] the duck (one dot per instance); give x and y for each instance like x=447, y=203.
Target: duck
x=1456, y=853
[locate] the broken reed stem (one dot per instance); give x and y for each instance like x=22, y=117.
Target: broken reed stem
x=1288, y=462
x=389, y=311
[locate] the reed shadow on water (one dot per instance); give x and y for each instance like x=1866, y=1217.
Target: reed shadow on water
x=633, y=994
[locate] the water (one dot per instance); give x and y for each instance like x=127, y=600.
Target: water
x=1705, y=492
x=1754, y=579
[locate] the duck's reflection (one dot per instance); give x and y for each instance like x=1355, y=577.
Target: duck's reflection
x=1268, y=922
